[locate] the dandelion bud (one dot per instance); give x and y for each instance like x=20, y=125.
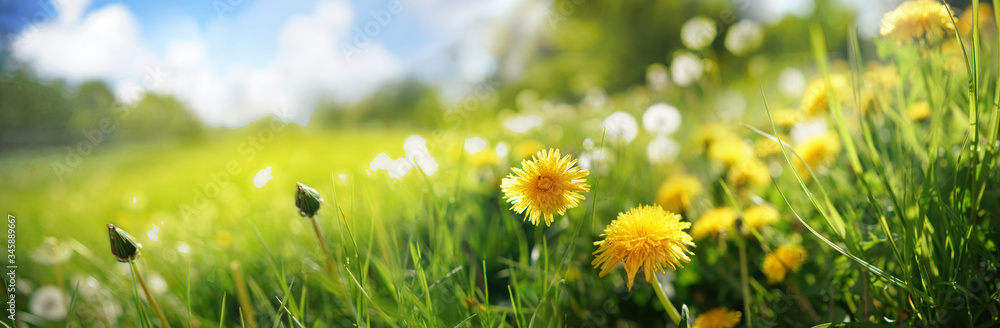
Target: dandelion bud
x=123, y=245
x=307, y=200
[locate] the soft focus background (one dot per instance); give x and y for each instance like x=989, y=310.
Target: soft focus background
x=188, y=123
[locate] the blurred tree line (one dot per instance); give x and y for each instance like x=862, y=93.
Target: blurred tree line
x=581, y=44
x=36, y=113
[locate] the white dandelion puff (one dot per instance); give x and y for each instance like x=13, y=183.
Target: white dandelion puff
x=262, y=177
x=620, y=124
x=656, y=77
x=744, y=37
x=522, y=124
x=661, y=119
x=697, y=33
x=475, y=144
x=686, y=68
x=416, y=154
x=662, y=150
x=792, y=83
x=803, y=131
x=51, y=252
x=48, y=302
x=184, y=248
x=153, y=233
x=501, y=150
x=396, y=168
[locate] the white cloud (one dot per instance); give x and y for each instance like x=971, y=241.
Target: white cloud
x=307, y=66
x=103, y=45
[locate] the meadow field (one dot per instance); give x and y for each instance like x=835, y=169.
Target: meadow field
x=824, y=188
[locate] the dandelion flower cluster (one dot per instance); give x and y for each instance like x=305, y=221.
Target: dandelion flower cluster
x=750, y=171
x=714, y=222
x=729, y=151
x=645, y=236
x=657, y=77
x=786, y=257
x=547, y=184
x=918, y=19
x=820, y=149
x=815, y=101
x=966, y=21
x=676, y=193
x=919, y=111
x=759, y=216
x=717, y=318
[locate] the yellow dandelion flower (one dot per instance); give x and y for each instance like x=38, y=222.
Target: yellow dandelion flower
x=486, y=157
x=526, y=148
x=815, y=101
x=717, y=318
x=223, y=238
x=645, y=236
x=786, y=118
x=710, y=133
x=547, y=185
x=786, y=257
x=676, y=193
x=919, y=111
x=966, y=20
x=749, y=172
x=917, y=19
x=714, y=222
x=759, y=216
x=728, y=150
x=821, y=149
x=954, y=58
x=765, y=147
x=881, y=77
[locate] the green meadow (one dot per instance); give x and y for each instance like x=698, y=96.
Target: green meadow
x=862, y=193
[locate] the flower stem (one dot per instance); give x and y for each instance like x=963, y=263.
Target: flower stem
x=671, y=310
x=326, y=248
x=744, y=278
x=149, y=296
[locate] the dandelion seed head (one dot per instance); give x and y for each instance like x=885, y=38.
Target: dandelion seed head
x=262, y=177
x=154, y=233
x=662, y=150
x=791, y=83
x=475, y=144
x=697, y=33
x=523, y=124
x=620, y=124
x=48, y=302
x=744, y=37
x=686, y=68
x=501, y=150
x=661, y=119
